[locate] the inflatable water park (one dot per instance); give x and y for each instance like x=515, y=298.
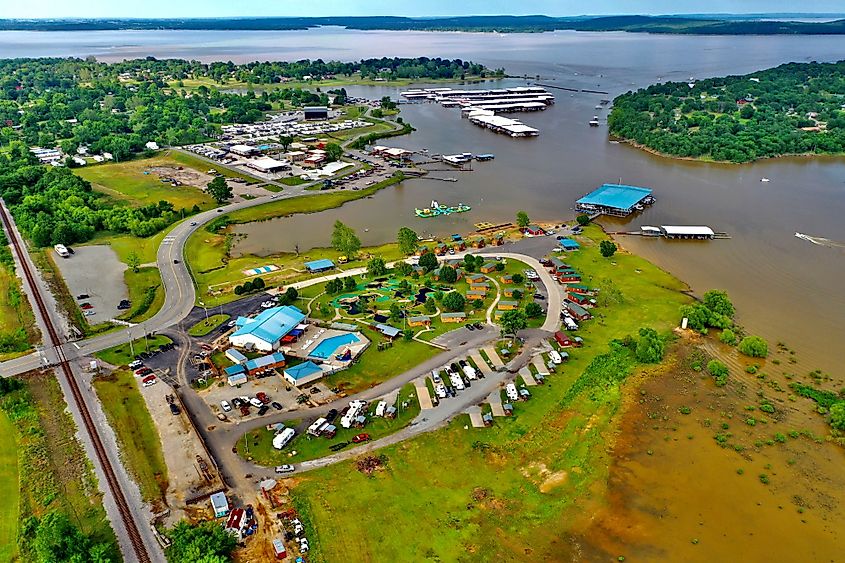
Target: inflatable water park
x=436, y=209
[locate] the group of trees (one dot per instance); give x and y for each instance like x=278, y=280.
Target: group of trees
x=249, y=286
x=54, y=206
x=739, y=118
x=53, y=538
x=345, y=240
x=337, y=285
x=715, y=310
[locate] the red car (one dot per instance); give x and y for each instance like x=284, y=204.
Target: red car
x=361, y=438
x=148, y=378
x=86, y=306
x=261, y=396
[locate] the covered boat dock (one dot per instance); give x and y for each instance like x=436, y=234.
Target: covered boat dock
x=617, y=200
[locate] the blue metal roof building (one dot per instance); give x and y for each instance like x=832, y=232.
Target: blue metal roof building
x=266, y=330
x=569, y=244
x=270, y=360
x=612, y=199
x=319, y=265
x=303, y=373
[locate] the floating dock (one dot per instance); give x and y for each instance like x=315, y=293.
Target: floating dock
x=617, y=200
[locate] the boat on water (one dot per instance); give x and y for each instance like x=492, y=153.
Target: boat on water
x=595, y=121
x=436, y=209
x=765, y=180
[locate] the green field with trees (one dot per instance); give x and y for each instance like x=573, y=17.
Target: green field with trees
x=795, y=108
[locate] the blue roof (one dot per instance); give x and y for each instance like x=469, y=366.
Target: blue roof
x=235, y=356
x=268, y=360
x=271, y=324
x=237, y=379
x=323, y=264
x=303, y=370
x=569, y=243
x=234, y=370
x=618, y=196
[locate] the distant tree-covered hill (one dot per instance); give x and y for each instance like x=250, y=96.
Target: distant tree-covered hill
x=721, y=25
x=796, y=108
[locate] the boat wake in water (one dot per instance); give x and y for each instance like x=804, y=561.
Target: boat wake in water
x=821, y=241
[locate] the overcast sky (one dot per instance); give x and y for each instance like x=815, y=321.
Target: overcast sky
x=230, y=8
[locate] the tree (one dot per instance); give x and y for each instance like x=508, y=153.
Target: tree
x=454, y=301
x=513, y=321
x=754, y=346
x=472, y=263
x=333, y=152
x=500, y=267
x=344, y=240
x=518, y=278
x=286, y=141
x=522, y=219
x=376, y=266
x=718, y=370
x=837, y=415
x=430, y=308
x=258, y=283
x=248, y=286
x=219, y=189
x=408, y=240
x=428, y=261
x=291, y=294
x=448, y=274
x=583, y=219
x=395, y=312
x=207, y=543
x=607, y=248
x=747, y=111
x=533, y=310
x=133, y=261
x=239, y=290
x=728, y=337
x=650, y=347
x=408, y=334
x=717, y=301
x=403, y=268
x=517, y=294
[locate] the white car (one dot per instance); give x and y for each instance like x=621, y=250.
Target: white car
x=255, y=402
x=285, y=468
x=303, y=545
x=231, y=323
x=135, y=364
x=435, y=376
x=149, y=383
x=226, y=406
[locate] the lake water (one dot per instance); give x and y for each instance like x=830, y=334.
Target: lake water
x=785, y=288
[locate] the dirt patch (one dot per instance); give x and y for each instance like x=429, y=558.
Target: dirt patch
x=189, y=177
x=553, y=481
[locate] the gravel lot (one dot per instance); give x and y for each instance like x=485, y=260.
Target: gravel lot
x=96, y=271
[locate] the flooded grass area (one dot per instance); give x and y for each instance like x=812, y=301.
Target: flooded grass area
x=702, y=473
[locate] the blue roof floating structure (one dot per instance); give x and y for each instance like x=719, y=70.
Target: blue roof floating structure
x=569, y=244
x=270, y=326
x=319, y=265
x=613, y=199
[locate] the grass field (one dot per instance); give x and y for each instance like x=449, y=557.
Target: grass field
x=121, y=354
x=515, y=486
x=9, y=489
x=127, y=182
x=258, y=444
x=205, y=326
x=15, y=315
x=138, y=438
x=138, y=284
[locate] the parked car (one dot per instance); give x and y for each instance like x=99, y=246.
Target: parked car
x=285, y=468
x=262, y=396
x=263, y=410
x=134, y=364
x=331, y=415
x=256, y=402
x=360, y=438
x=226, y=406
x=275, y=405
x=174, y=409
x=303, y=545
x=149, y=383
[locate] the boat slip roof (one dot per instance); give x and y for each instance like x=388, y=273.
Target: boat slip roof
x=618, y=196
x=687, y=230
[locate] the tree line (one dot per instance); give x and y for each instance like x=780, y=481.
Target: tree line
x=795, y=108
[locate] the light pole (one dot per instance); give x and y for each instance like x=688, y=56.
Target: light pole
x=202, y=304
x=131, y=347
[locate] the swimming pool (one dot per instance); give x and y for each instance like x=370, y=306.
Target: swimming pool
x=327, y=347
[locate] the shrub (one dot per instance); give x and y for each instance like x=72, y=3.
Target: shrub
x=754, y=346
x=258, y=283
x=607, y=248
x=533, y=310
x=717, y=368
x=728, y=337
x=650, y=347
x=239, y=290
x=837, y=415
x=583, y=220
x=454, y=301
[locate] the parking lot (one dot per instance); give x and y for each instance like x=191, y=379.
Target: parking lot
x=96, y=272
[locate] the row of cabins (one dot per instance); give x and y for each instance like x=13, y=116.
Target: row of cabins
x=458, y=244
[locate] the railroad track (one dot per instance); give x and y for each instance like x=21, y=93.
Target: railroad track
x=64, y=367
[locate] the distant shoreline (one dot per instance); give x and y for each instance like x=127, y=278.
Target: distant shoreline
x=756, y=24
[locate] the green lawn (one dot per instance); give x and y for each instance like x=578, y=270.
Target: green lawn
x=520, y=483
x=128, y=182
x=122, y=355
x=141, y=283
x=258, y=444
x=124, y=244
x=15, y=315
x=9, y=489
x=138, y=438
x=205, y=326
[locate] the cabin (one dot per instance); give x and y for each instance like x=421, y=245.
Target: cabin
x=506, y=279
x=569, y=276
x=579, y=289
x=488, y=267
x=440, y=249
x=477, y=242
x=578, y=298
x=476, y=295
x=475, y=279
x=559, y=265
x=564, y=339
x=479, y=286
x=578, y=311
x=421, y=320
x=509, y=291
x=453, y=317
x=533, y=231
x=507, y=305
x=422, y=249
